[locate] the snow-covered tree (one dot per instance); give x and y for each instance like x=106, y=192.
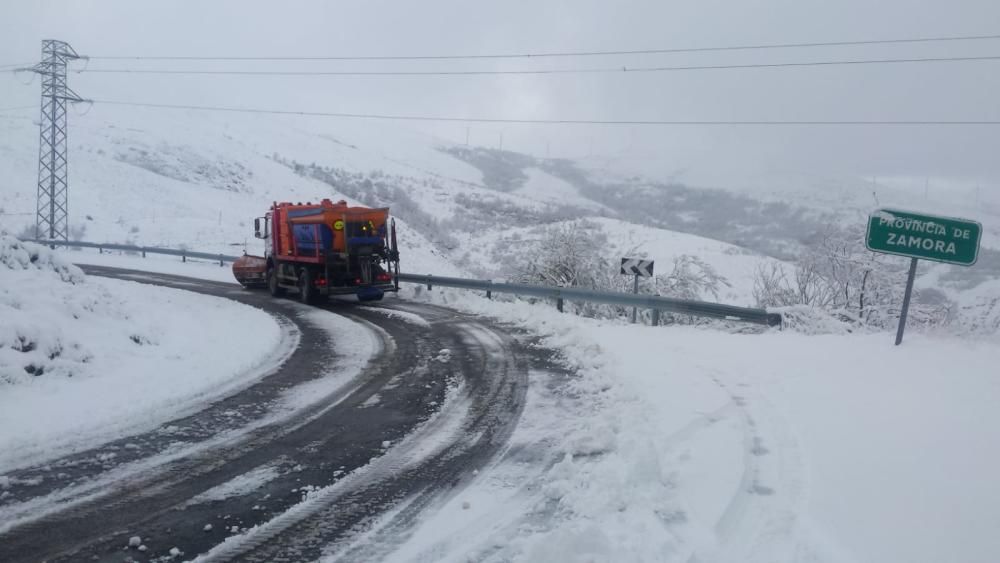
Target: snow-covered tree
x=838, y=274
x=691, y=278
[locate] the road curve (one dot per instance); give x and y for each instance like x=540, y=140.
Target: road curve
x=241, y=479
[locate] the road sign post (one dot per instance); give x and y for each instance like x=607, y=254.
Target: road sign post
x=906, y=301
x=636, y=267
x=635, y=290
x=927, y=237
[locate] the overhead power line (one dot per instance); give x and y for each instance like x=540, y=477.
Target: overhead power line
x=14, y=65
x=557, y=53
x=398, y=117
x=605, y=70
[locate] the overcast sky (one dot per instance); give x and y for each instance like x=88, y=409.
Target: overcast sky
x=719, y=155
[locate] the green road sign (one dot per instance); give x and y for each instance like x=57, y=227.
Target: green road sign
x=941, y=239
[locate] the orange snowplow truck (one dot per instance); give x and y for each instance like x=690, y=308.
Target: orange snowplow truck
x=322, y=249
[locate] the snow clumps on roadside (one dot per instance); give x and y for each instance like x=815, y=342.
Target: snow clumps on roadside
x=44, y=300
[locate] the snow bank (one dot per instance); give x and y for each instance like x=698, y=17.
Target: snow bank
x=813, y=320
x=84, y=359
x=33, y=341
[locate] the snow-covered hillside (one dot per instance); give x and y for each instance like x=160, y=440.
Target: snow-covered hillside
x=198, y=182
x=847, y=196
x=543, y=187
x=197, y=179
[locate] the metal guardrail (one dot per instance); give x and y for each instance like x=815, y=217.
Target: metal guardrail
x=653, y=302
x=102, y=246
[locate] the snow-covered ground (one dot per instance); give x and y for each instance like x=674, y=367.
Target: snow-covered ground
x=548, y=189
x=693, y=444
x=85, y=359
x=687, y=444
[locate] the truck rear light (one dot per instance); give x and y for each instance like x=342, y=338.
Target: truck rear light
x=357, y=281
x=321, y=282
x=383, y=277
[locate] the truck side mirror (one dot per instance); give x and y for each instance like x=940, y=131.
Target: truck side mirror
x=261, y=233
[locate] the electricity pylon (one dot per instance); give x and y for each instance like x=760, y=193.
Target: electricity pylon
x=52, y=209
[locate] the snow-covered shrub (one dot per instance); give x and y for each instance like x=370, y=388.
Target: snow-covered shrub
x=565, y=256
x=690, y=278
x=981, y=317
x=26, y=232
x=568, y=254
x=840, y=276
x=977, y=312
x=24, y=256
x=31, y=342
x=773, y=288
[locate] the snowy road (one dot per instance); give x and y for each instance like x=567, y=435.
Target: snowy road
x=379, y=411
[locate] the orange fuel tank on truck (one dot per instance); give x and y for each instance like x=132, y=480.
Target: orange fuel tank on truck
x=323, y=249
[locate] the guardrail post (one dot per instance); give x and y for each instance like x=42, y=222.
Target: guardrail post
x=656, y=317
x=428, y=282
x=775, y=319
x=220, y=260
x=559, y=304
x=143, y=253
x=184, y=258
x=100, y=250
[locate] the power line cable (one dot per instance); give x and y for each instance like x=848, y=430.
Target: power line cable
x=4, y=66
x=559, y=53
x=605, y=70
x=397, y=117
x=19, y=108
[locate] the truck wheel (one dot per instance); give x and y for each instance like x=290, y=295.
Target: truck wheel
x=307, y=291
x=272, y=283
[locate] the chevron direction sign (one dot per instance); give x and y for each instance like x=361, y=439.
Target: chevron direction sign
x=636, y=267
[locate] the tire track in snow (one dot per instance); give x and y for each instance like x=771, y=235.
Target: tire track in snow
x=762, y=521
x=411, y=476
